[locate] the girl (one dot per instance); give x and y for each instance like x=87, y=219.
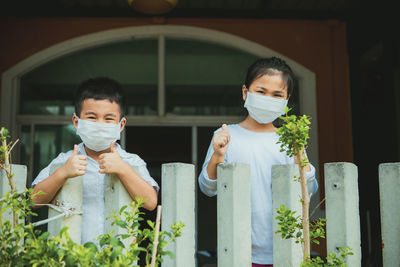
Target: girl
x=268, y=86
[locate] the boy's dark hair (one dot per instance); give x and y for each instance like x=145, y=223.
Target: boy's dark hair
x=99, y=88
x=269, y=66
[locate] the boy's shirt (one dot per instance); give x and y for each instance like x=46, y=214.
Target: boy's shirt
x=94, y=185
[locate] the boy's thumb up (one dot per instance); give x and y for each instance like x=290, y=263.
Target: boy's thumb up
x=75, y=152
x=224, y=127
x=112, y=147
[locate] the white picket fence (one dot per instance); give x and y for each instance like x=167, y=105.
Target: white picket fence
x=234, y=213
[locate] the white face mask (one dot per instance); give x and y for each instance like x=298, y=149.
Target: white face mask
x=264, y=109
x=98, y=136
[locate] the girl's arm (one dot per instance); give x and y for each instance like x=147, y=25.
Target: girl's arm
x=308, y=169
x=215, y=155
x=311, y=177
x=220, y=144
x=212, y=165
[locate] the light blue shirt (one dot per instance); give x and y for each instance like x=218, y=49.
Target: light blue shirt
x=94, y=185
x=259, y=150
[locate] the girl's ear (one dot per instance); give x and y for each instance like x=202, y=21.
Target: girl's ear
x=244, y=92
x=75, y=121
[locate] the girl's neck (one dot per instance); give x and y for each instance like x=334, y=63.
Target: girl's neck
x=252, y=125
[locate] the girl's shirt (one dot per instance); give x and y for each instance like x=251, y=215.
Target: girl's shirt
x=259, y=150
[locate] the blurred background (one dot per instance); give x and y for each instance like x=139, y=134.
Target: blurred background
x=182, y=64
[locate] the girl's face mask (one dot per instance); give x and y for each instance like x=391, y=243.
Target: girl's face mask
x=98, y=136
x=264, y=109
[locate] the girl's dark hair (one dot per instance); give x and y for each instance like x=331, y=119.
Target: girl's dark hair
x=270, y=66
x=99, y=88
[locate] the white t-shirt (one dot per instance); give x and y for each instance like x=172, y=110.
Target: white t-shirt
x=259, y=150
x=94, y=185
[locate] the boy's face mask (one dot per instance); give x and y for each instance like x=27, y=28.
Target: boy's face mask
x=98, y=136
x=264, y=109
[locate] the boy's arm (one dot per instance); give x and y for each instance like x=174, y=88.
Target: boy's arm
x=49, y=186
x=133, y=182
x=73, y=167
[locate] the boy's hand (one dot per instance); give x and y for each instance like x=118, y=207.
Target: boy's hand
x=110, y=162
x=221, y=141
x=75, y=165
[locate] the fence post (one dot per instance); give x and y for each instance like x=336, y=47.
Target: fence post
x=19, y=179
x=69, y=197
x=116, y=196
x=234, y=215
x=287, y=192
x=389, y=187
x=178, y=201
x=342, y=210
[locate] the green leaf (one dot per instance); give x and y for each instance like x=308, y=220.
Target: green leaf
x=91, y=246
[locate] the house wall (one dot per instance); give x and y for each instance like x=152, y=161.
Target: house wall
x=318, y=45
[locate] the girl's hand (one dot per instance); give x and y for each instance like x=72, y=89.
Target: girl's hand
x=75, y=165
x=221, y=141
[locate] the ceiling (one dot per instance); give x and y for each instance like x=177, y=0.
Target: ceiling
x=313, y=9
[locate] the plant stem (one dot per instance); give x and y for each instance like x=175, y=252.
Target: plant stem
x=7, y=169
x=305, y=205
x=155, y=242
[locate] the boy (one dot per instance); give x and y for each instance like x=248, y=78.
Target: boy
x=98, y=120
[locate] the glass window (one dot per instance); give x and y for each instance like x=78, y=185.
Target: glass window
x=49, y=89
x=204, y=78
x=49, y=141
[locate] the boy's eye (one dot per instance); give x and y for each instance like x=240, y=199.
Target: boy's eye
x=260, y=92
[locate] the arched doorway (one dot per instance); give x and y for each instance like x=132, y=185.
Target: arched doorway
x=182, y=83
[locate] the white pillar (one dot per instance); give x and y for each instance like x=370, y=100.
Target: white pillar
x=178, y=202
x=389, y=188
x=286, y=191
x=234, y=215
x=69, y=197
x=116, y=196
x=342, y=210
x=19, y=179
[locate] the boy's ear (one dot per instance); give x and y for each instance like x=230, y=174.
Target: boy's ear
x=75, y=121
x=244, y=92
x=123, y=123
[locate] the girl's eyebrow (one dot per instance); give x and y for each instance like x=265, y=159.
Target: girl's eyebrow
x=275, y=91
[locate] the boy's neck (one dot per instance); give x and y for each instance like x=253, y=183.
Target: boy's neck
x=95, y=154
x=250, y=124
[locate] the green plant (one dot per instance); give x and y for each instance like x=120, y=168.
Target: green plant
x=332, y=260
x=5, y=159
x=22, y=245
x=293, y=139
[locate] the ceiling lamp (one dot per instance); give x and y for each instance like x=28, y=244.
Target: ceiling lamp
x=153, y=7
